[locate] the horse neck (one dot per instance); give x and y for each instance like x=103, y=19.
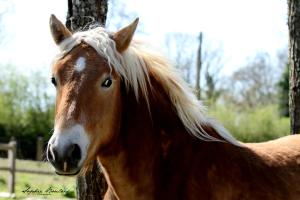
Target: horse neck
x=143, y=140
x=153, y=154
x=147, y=129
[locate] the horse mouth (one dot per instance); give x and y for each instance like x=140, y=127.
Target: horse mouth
x=67, y=174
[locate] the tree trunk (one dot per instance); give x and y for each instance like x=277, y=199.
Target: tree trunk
x=198, y=70
x=294, y=59
x=81, y=14
x=91, y=186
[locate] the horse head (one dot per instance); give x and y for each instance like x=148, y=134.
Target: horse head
x=87, y=113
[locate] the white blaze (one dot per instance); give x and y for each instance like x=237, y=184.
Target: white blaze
x=71, y=109
x=80, y=64
x=76, y=134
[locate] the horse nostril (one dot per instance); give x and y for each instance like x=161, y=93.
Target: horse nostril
x=51, y=153
x=74, y=152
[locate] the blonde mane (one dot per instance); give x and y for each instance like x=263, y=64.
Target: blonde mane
x=135, y=65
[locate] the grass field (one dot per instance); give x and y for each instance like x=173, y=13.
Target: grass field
x=252, y=125
x=36, y=186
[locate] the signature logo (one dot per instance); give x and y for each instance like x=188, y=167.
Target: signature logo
x=50, y=190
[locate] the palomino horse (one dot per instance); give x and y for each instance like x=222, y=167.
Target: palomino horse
x=124, y=105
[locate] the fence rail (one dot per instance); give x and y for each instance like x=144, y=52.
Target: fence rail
x=6, y=146
x=28, y=171
x=11, y=147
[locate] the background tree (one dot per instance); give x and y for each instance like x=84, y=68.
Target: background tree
x=212, y=66
x=82, y=14
x=26, y=109
x=253, y=85
x=198, y=67
x=283, y=83
x=195, y=57
x=212, y=92
x=294, y=60
x=283, y=87
x=179, y=47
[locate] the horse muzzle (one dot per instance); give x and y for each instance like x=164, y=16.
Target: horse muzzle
x=67, y=150
x=65, y=161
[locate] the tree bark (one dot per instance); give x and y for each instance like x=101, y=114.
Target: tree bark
x=294, y=59
x=91, y=186
x=81, y=14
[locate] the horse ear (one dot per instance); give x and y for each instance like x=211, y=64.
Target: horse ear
x=58, y=30
x=124, y=36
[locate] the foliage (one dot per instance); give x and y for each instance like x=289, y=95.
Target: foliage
x=69, y=193
x=283, y=87
x=212, y=65
x=252, y=125
x=26, y=109
x=2, y=181
x=212, y=92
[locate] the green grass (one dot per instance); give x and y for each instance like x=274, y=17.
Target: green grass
x=256, y=125
x=38, y=181
x=252, y=125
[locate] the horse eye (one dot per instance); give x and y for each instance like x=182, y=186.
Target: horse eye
x=53, y=81
x=107, y=83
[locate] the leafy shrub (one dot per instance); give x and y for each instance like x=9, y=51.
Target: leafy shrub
x=69, y=193
x=2, y=181
x=26, y=109
x=252, y=125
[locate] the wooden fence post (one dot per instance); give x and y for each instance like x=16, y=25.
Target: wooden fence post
x=39, y=148
x=12, y=166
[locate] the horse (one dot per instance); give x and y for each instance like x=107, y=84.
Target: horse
x=121, y=103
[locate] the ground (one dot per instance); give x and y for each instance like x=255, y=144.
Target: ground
x=30, y=186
